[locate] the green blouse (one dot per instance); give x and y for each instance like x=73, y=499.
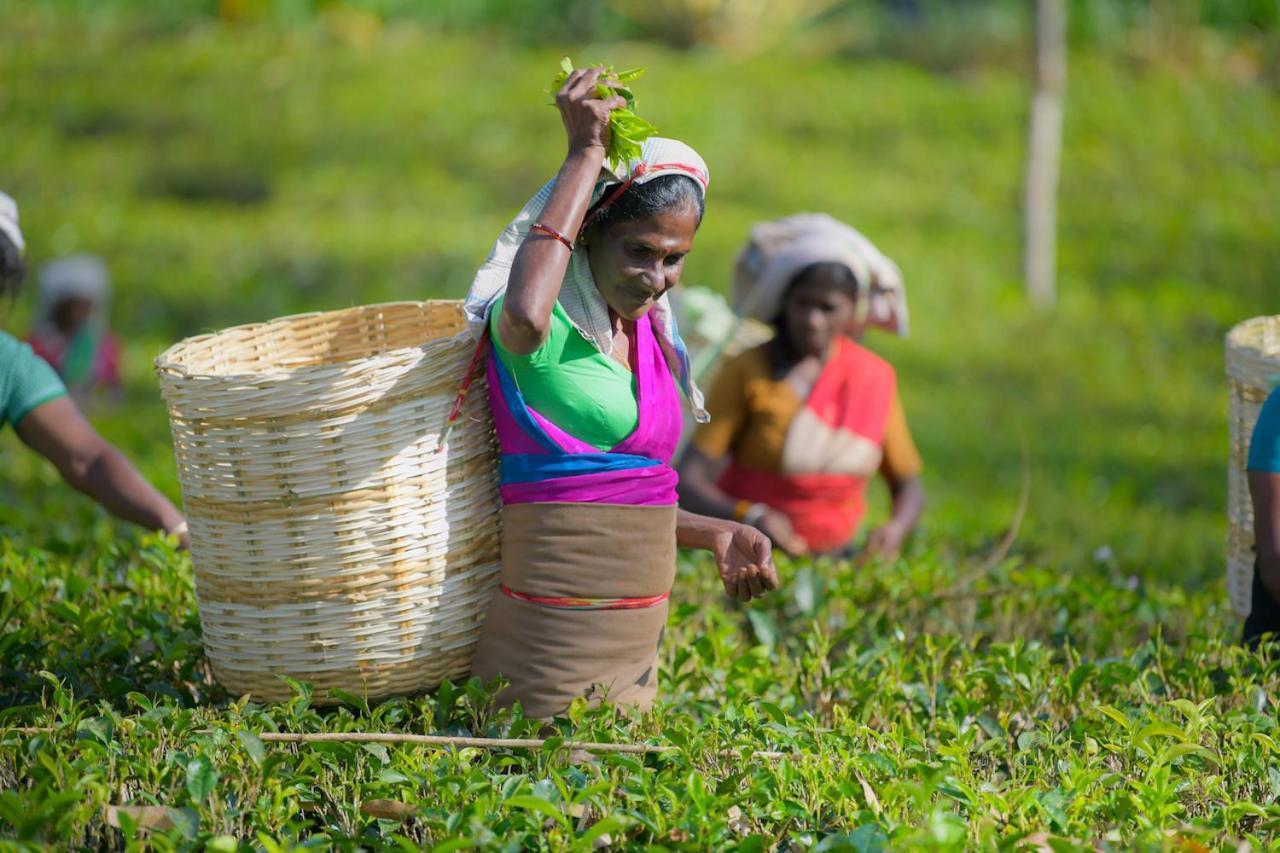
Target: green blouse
x=26, y=380
x=568, y=381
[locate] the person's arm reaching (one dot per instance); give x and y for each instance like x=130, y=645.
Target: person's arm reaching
x=743, y=556
x=1264, y=486
x=710, y=451
x=908, y=500
x=59, y=432
x=901, y=470
x=698, y=490
x=699, y=493
x=541, y=261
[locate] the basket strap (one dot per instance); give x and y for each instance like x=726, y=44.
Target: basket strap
x=456, y=412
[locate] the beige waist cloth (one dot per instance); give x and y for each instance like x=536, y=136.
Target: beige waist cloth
x=551, y=655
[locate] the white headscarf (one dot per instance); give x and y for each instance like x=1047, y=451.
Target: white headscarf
x=779, y=249
x=9, y=222
x=579, y=295
x=74, y=277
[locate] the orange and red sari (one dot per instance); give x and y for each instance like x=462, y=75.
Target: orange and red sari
x=810, y=458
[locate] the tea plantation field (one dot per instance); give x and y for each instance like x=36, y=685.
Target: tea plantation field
x=1083, y=688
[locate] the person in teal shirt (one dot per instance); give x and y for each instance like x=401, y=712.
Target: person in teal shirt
x=1264, y=487
x=34, y=401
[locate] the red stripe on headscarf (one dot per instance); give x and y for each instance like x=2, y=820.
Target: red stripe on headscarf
x=640, y=170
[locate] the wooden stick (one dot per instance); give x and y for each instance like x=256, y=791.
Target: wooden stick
x=458, y=741
x=490, y=743
x=463, y=742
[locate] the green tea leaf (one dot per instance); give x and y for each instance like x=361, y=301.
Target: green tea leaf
x=378, y=751
x=1115, y=714
x=253, y=745
x=1178, y=750
x=539, y=805
x=774, y=712
x=1079, y=676
x=606, y=825
x=201, y=778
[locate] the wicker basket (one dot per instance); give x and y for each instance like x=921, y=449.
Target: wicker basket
x=1253, y=369
x=332, y=543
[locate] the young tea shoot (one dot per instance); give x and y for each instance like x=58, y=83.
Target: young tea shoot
x=626, y=129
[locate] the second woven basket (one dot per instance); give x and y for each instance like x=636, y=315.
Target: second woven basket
x=1253, y=369
x=333, y=541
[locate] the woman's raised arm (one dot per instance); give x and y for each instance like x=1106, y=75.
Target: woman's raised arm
x=541, y=261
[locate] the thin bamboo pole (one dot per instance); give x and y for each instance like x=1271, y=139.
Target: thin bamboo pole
x=1044, y=152
x=445, y=742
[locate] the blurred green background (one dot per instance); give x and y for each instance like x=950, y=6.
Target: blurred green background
x=241, y=160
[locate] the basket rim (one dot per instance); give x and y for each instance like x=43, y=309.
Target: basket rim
x=1239, y=330
x=165, y=363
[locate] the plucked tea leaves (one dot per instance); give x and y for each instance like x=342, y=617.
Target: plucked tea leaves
x=626, y=129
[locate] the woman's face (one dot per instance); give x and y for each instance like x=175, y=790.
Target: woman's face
x=817, y=310
x=636, y=262
x=72, y=313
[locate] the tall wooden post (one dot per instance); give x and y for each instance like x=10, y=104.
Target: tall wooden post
x=1044, y=151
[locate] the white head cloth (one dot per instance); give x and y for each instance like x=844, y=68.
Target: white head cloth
x=73, y=277
x=579, y=295
x=779, y=249
x=9, y=222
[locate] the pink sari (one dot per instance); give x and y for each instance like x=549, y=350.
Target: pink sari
x=588, y=548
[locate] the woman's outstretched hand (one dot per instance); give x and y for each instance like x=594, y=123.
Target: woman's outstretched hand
x=885, y=541
x=744, y=558
x=584, y=113
x=777, y=526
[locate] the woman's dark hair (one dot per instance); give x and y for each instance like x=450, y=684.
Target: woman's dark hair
x=640, y=201
x=12, y=267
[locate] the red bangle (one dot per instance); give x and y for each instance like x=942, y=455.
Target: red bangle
x=551, y=232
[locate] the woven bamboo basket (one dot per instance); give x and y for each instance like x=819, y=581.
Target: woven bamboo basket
x=334, y=541
x=1253, y=369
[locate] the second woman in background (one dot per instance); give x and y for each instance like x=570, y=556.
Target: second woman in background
x=800, y=424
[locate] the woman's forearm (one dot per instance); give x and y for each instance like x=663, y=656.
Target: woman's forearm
x=58, y=431
x=742, y=553
x=112, y=481
x=698, y=490
x=1264, y=486
x=908, y=503
x=701, y=531
x=541, y=261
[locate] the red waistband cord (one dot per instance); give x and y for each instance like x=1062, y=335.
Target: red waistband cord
x=456, y=411
x=571, y=603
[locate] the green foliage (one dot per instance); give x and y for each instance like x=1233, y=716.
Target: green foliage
x=626, y=129
x=918, y=702
x=1085, y=689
